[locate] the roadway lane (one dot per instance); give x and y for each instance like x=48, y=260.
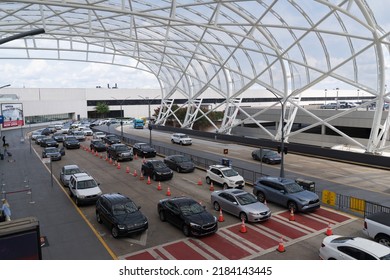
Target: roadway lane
x=162, y=239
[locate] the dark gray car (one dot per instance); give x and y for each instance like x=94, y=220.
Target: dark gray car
x=285, y=192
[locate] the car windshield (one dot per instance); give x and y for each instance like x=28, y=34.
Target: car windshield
x=71, y=138
x=144, y=146
x=72, y=171
x=121, y=148
x=125, y=208
x=385, y=257
x=87, y=184
x=183, y=136
x=51, y=150
x=246, y=199
x=230, y=172
x=270, y=153
x=182, y=159
x=158, y=164
x=293, y=188
x=191, y=208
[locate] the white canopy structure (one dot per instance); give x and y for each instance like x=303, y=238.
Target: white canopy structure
x=285, y=46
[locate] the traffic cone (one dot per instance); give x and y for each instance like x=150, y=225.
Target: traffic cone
x=168, y=192
x=292, y=217
x=148, y=182
x=106, y=158
x=211, y=187
x=281, y=246
x=110, y=161
x=141, y=177
x=159, y=188
x=118, y=166
x=135, y=173
x=200, y=182
x=101, y=156
x=329, y=230
x=96, y=154
x=127, y=169
x=220, y=218
x=243, y=227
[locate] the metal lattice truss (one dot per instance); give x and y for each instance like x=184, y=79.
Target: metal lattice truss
x=224, y=46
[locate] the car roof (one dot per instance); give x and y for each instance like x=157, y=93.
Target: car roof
x=115, y=198
x=233, y=191
x=220, y=166
x=82, y=176
x=70, y=166
x=180, y=200
x=363, y=243
x=277, y=179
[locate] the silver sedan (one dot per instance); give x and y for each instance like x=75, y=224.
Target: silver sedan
x=241, y=204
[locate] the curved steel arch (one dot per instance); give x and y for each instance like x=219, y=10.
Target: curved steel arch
x=225, y=46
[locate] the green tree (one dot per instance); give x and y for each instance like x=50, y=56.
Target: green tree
x=102, y=109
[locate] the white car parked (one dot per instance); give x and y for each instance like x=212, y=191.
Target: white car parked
x=336, y=247
x=225, y=176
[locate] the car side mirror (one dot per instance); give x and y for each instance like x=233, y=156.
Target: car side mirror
x=139, y=207
x=283, y=191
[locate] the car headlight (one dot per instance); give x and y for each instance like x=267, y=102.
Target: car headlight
x=81, y=196
x=158, y=173
x=121, y=226
x=194, y=225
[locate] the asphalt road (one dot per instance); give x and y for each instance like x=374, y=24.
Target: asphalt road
x=301, y=238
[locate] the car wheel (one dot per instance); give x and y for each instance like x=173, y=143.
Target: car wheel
x=173, y=142
x=243, y=216
x=98, y=218
x=114, y=232
x=292, y=206
x=186, y=230
x=77, y=201
x=154, y=177
x=267, y=161
x=161, y=215
x=181, y=143
x=208, y=180
x=225, y=186
x=261, y=197
x=217, y=207
x=383, y=239
x=254, y=157
x=70, y=193
x=178, y=169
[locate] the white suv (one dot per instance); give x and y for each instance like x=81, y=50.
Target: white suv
x=84, y=188
x=181, y=138
x=225, y=176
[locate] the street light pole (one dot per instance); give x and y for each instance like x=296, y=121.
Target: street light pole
x=122, y=115
x=282, y=134
x=149, y=116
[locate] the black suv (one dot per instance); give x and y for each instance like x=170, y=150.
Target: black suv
x=120, y=214
x=71, y=142
x=144, y=150
x=119, y=152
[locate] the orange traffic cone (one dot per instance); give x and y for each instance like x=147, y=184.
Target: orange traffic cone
x=101, y=156
x=110, y=161
x=243, y=227
x=281, y=246
x=211, y=187
x=220, y=218
x=106, y=158
x=148, y=182
x=200, y=182
x=159, y=188
x=96, y=154
x=118, y=165
x=127, y=169
x=141, y=177
x=135, y=173
x=329, y=230
x=292, y=217
x=168, y=192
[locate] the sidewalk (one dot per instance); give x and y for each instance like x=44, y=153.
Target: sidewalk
x=28, y=187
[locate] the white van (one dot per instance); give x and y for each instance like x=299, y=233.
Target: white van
x=84, y=188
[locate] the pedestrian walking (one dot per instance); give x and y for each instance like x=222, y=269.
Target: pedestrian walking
x=6, y=209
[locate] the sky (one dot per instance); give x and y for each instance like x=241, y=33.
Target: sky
x=65, y=74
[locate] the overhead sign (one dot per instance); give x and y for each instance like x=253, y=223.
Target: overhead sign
x=12, y=114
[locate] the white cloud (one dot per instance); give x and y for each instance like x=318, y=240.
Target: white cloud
x=64, y=74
